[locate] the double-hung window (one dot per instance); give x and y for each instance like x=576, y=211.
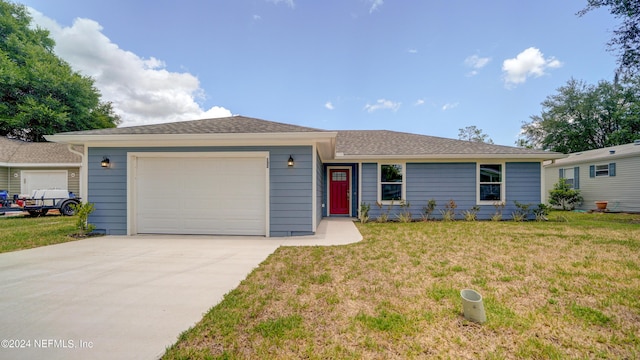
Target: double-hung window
x=391, y=184
x=490, y=183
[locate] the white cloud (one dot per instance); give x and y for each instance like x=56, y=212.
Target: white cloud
x=530, y=62
x=382, y=104
x=257, y=17
x=476, y=63
x=413, y=51
x=329, y=105
x=375, y=4
x=289, y=3
x=419, y=102
x=142, y=90
x=449, y=106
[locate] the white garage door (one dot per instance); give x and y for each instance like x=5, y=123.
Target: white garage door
x=195, y=195
x=43, y=179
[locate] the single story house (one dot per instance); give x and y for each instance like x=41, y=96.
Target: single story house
x=28, y=166
x=609, y=174
x=246, y=176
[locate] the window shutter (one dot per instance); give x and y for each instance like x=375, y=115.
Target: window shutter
x=592, y=171
x=561, y=175
x=612, y=169
x=576, y=177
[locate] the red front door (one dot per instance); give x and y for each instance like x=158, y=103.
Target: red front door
x=338, y=192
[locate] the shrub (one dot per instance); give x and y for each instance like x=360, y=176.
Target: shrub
x=472, y=214
x=384, y=217
x=497, y=216
x=82, y=212
x=427, y=210
x=364, y=212
x=522, y=211
x=541, y=212
x=564, y=196
x=449, y=212
x=405, y=213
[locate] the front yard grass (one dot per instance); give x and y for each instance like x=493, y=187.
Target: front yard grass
x=23, y=232
x=550, y=290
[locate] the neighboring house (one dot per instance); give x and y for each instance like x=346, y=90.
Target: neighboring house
x=610, y=174
x=245, y=176
x=28, y=166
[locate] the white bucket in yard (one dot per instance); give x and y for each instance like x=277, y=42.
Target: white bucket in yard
x=472, y=306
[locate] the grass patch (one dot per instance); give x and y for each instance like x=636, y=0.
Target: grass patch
x=21, y=232
x=552, y=290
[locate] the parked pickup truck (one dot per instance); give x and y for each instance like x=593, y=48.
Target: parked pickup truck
x=40, y=202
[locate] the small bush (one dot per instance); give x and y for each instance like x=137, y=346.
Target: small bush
x=449, y=212
x=497, y=216
x=428, y=210
x=472, y=214
x=522, y=211
x=82, y=212
x=364, y=212
x=405, y=214
x=564, y=196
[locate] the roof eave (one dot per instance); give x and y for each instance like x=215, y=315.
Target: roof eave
x=532, y=157
x=190, y=139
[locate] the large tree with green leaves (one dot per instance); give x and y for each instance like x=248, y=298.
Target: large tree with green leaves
x=626, y=38
x=473, y=133
x=39, y=93
x=582, y=117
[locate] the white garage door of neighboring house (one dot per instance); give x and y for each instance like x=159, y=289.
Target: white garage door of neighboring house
x=42, y=179
x=201, y=195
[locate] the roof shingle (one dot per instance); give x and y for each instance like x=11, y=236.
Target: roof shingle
x=228, y=125
x=21, y=152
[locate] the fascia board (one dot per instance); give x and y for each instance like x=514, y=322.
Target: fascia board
x=599, y=159
x=30, y=165
x=192, y=139
x=457, y=157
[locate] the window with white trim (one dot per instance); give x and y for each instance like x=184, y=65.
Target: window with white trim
x=491, y=183
x=391, y=183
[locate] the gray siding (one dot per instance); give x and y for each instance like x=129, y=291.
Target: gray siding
x=523, y=184
x=4, y=178
x=290, y=187
x=13, y=183
x=458, y=181
x=621, y=191
x=441, y=182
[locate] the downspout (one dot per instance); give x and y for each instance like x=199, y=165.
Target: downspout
x=83, y=196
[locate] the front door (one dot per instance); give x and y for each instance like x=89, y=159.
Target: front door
x=339, y=192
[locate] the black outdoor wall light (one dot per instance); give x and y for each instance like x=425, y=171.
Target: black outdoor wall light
x=105, y=162
x=290, y=161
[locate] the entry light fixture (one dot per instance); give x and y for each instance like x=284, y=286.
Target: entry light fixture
x=105, y=163
x=290, y=161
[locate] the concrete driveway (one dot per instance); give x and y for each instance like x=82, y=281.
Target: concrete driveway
x=126, y=297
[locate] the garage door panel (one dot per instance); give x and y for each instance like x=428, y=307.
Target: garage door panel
x=216, y=195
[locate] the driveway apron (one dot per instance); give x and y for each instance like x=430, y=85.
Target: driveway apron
x=119, y=297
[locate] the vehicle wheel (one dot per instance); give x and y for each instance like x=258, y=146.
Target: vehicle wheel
x=34, y=213
x=67, y=208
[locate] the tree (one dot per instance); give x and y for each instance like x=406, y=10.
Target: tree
x=472, y=133
x=39, y=93
x=564, y=195
x=582, y=117
x=626, y=39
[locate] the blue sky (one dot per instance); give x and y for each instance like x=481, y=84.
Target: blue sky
x=427, y=67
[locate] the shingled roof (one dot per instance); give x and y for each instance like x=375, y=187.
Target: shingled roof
x=21, y=152
x=392, y=143
x=227, y=125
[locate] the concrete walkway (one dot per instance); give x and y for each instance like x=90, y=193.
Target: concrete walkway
x=119, y=297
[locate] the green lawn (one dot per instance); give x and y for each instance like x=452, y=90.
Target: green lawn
x=24, y=232
x=551, y=290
